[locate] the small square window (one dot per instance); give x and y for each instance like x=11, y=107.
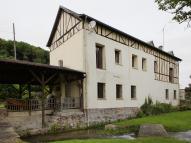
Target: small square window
x=101, y=90
x=118, y=91
x=174, y=94
x=133, y=92
x=117, y=56
x=167, y=94
x=134, y=61
x=60, y=63
x=144, y=64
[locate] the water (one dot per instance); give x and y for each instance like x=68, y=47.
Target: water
x=181, y=135
x=81, y=134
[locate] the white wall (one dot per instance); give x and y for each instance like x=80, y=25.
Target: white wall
x=122, y=74
x=71, y=52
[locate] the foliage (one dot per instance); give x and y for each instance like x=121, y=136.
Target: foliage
x=174, y=122
x=148, y=108
x=25, y=52
x=55, y=128
x=139, y=140
x=188, y=93
x=181, y=9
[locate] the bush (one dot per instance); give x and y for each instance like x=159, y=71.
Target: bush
x=148, y=108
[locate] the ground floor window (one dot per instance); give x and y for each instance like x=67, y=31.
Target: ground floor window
x=101, y=90
x=167, y=94
x=133, y=92
x=118, y=91
x=175, y=94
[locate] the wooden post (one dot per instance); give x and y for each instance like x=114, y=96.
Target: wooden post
x=81, y=96
x=43, y=101
x=30, y=104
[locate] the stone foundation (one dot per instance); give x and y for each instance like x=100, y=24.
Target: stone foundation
x=3, y=113
x=27, y=123
x=111, y=114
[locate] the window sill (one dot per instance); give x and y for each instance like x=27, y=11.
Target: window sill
x=135, y=68
x=133, y=98
x=101, y=99
x=118, y=64
x=119, y=99
x=101, y=68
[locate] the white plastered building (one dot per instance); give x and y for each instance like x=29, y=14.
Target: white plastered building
x=121, y=70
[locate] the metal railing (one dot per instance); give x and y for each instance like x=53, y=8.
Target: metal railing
x=30, y=105
x=17, y=105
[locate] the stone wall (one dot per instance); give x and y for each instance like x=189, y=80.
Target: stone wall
x=111, y=114
x=3, y=113
x=26, y=123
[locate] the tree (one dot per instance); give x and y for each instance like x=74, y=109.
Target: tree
x=181, y=9
x=188, y=92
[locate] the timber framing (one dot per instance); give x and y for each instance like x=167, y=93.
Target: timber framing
x=164, y=59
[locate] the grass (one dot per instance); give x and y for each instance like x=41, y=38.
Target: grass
x=173, y=122
x=139, y=140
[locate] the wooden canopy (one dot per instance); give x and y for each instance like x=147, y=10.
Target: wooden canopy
x=22, y=72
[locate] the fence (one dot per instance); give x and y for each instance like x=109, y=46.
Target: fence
x=16, y=105
x=30, y=105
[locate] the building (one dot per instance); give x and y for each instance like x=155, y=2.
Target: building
x=121, y=70
x=182, y=94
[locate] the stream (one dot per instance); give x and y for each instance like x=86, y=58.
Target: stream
x=80, y=134
x=87, y=134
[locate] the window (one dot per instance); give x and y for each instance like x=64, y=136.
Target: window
x=144, y=64
x=133, y=92
x=134, y=61
x=155, y=66
x=101, y=90
x=174, y=94
x=118, y=91
x=171, y=75
x=60, y=63
x=117, y=56
x=99, y=56
x=167, y=94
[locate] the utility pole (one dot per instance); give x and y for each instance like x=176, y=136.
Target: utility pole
x=15, y=50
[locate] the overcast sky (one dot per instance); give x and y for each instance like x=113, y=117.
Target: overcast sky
x=140, y=18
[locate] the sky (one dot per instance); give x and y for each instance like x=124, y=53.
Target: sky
x=140, y=18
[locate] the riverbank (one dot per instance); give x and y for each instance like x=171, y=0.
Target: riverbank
x=173, y=122
x=139, y=140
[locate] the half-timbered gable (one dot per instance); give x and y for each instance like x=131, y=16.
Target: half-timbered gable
x=67, y=24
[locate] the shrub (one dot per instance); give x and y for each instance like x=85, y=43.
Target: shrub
x=148, y=108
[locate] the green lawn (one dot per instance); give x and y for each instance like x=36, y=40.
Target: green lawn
x=140, y=140
x=175, y=121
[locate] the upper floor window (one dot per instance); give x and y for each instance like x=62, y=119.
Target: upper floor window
x=134, y=61
x=60, y=63
x=144, y=64
x=118, y=91
x=167, y=94
x=99, y=56
x=133, y=92
x=155, y=66
x=117, y=56
x=101, y=90
x=171, y=75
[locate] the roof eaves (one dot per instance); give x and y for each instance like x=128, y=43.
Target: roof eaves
x=84, y=16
